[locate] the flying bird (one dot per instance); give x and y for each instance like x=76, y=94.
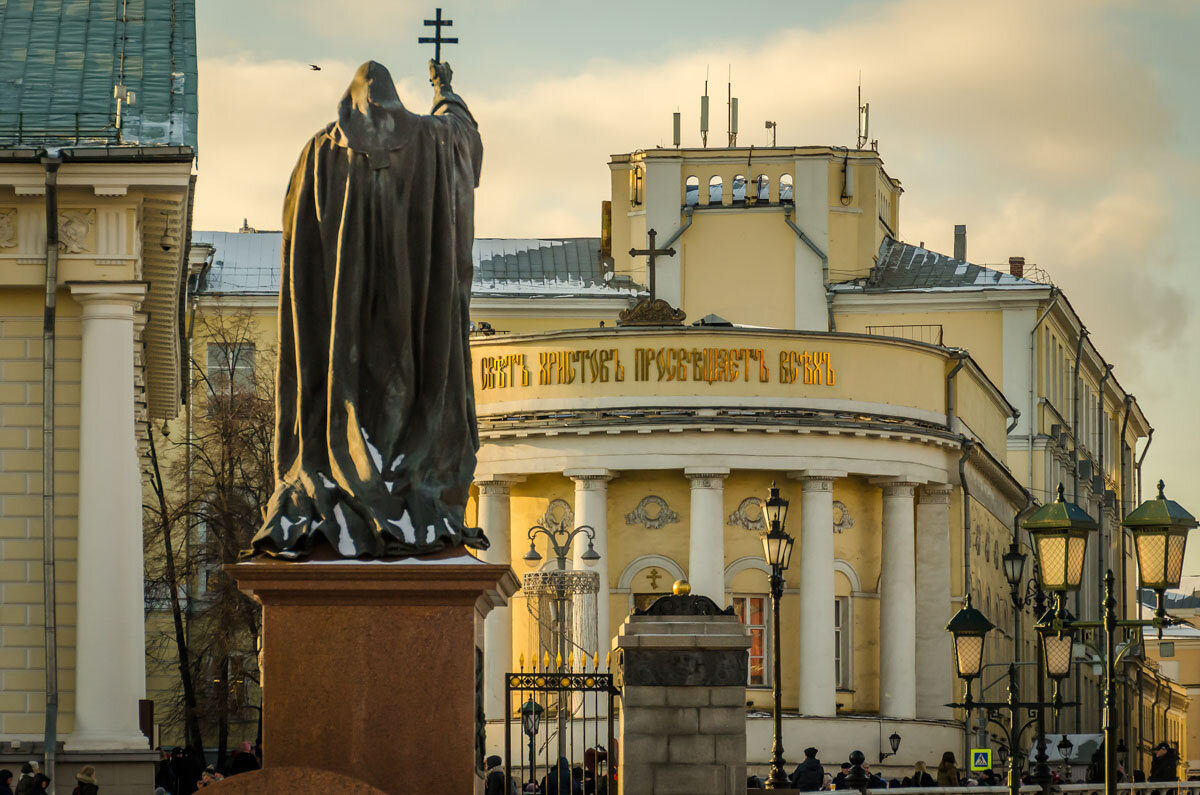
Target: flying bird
x=314, y=67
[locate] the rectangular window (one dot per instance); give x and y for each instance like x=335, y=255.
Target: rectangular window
x=841, y=641
x=230, y=367
x=752, y=611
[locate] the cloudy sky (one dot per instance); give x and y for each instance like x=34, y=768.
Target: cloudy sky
x=1065, y=132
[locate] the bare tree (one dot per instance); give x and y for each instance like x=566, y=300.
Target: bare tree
x=220, y=477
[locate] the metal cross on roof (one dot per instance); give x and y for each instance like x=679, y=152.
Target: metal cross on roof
x=437, y=40
x=651, y=253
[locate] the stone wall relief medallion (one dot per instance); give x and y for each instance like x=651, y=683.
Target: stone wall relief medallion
x=73, y=229
x=558, y=517
x=841, y=517
x=653, y=513
x=749, y=514
x=8, y=228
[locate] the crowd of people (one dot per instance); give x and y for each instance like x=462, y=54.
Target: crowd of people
x=182, y=772
x=31, y=780
x=590, y=778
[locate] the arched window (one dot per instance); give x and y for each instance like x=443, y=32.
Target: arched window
x=715, y=190
x=739, y=189
x=785, y=188
x=691, y=191
x=763, y=188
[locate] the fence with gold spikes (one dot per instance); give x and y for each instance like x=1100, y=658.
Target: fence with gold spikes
x=559, y=707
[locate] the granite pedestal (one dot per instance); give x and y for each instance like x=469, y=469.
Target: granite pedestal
x=372, y=669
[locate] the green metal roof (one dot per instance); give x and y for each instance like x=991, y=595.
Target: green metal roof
x=60, y=61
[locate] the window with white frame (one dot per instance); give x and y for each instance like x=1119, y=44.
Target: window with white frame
x=841, y=641
x=752, y=611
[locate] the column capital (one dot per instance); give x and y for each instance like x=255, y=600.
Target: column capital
x=590, y=479
x=896, y=486
x=498, y=484
x=109, y=299
x=816, y=479
x=706, y=477
x=936, y=493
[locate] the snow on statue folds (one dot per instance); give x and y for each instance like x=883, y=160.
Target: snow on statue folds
x=373, y=611
x=375, y=434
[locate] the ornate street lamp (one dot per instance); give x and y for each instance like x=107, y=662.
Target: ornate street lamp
x=531, y=718
x=1160, y=529
x=968, y=627
x=1065, y=747
x=894, y=743
x=1014, y=565
x=1059, y=533
x=777, y=550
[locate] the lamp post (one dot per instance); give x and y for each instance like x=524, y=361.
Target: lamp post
x=531, y=718
x=1060, y=531
x=1065, y=747
x=777, y=550
x=1014, y=561
x=969, y=628
x=560, y=541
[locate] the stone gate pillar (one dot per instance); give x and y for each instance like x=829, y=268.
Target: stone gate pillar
x=681, y=667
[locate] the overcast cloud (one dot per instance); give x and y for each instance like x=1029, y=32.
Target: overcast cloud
x=1062, y=132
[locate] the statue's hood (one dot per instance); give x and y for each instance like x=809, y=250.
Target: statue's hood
x=371, y=117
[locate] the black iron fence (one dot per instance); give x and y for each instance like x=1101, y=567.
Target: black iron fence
x=559, y=726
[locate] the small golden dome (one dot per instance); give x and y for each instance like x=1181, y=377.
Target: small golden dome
x=681, y=588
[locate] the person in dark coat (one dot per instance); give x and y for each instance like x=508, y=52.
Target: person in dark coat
x=921, y=777
x=25, y=782
x=839, y=781
x=875, y=781
x=494, y=783
x=243, y=761
x=6, y=781
x=87, y=782
x=557, y=780
x=809, y=774
x=1165, y=766
x=41, y=783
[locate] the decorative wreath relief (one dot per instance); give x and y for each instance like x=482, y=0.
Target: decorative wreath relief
x=749, y=514
x=841, y=517
x=558, y=517
x=652, y=512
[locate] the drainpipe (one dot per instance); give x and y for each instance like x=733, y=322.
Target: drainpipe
x=1141, y=458
x=1120, y=445
x=687, y=222
x=1083, y=332
x=1033, y=415
x=961, y=356
x=49, y=607
x=1016, y=417
x=787, y=217
x=967, y=445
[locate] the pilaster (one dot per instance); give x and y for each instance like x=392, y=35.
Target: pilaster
x=706, y=536
x=898, y=602
x=935, y=677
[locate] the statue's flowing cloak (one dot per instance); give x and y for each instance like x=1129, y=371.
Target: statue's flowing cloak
x=375, y=436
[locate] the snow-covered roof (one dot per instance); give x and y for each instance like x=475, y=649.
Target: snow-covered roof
x=905, y=267
x=248, y=263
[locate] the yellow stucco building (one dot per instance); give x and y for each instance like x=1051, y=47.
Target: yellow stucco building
x=910, y=405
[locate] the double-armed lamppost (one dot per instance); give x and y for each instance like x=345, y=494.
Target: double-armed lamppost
x=560, y=541
x=1059, y=533
x=777, y=549
x=969, y=628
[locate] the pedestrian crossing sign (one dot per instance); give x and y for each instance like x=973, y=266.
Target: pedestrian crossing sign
x=981, y=759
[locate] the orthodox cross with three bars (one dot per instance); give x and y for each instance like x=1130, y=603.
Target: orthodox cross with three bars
x=651, y=253
x=437, y=40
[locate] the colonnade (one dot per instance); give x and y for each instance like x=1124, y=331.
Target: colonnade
x=915, y=673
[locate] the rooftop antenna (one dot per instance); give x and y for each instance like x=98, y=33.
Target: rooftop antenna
x=733, y=111
x=704, y=112
x=772, y=127
x=864, y=121
x=675, y=121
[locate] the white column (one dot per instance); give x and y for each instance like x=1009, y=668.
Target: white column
x=495, y=520
x=898, y=604
x=818, y=678
x=591, y=508
x=706, y=536
x=935, y=674
x=110, y=669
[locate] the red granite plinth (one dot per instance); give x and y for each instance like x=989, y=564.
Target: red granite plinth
x=369, y=667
